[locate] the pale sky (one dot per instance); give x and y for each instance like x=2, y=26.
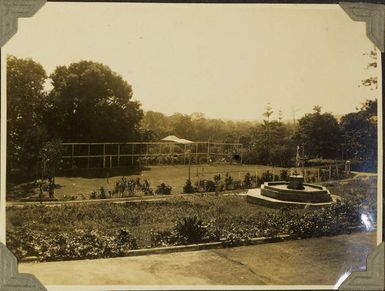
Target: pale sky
x=226, y=61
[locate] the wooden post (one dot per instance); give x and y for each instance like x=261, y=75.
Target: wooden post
x=337, y=170
x=318, y=174
x=104, y=155
x=146, y=154
x=184, y=155
x=88, y=158
x=160, y=150
x=72, y=157
x=119, y=155
x=196, y=153
x=132, y=154
x=330, y=172
x=208, y=152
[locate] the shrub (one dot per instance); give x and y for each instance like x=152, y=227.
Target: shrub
x=205, y=185
x=163, y=238
x=266, y=177
x=190, y=230
x=228, y=182
x=102, y=193
x=237, y=184
x=284, y=175
x=210, y=186
x=120, y=186
x=146, y=188
x=217, y=179
x=93, y=195
x=163, y=189
x=132, y=187
x=188, y=187
x=250, y=181
x=125, y=240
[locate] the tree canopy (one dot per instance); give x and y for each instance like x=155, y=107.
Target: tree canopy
x=319, y=133
x=91, y=103
x=25, y=103
x=359, y=134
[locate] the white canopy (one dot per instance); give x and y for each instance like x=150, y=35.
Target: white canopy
x=176, y=139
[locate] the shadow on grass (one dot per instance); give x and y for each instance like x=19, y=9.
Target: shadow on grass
x=18, y=191
x=101, y=173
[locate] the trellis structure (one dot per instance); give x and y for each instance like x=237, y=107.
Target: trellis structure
x=112, y=155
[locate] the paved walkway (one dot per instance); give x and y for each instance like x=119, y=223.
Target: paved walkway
x=318, y=261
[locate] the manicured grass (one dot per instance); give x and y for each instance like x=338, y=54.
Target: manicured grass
x=175, y=176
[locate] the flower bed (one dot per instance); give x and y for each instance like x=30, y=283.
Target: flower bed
x=80, y=231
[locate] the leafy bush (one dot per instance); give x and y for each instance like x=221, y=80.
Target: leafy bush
x=102, y=193
x=163, y=189
x=132, y=187
x=67, y=245
x=190, y=230
x=125, y=240
x=205, y=185
x=188, y=187
x=266, y=177
x=163, y=238
x=284, y=175
x=146, y=189
x=217, y=179
x=250, y=181
x=228, y=182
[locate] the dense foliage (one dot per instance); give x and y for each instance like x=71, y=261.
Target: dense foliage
x=88, y=102
x=26, y=131
x=359, y=134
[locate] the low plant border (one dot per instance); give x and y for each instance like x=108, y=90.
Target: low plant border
x=124, y=199
x=209, y=245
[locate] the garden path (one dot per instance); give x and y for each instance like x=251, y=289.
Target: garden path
x=319, y=261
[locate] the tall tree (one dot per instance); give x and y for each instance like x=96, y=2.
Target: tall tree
x=156, y=122
x=25, y=103
x=182, y=126
x=89, y=102
x=359, y=132
x=50, y=156
x=272, y=144
x=320, y=134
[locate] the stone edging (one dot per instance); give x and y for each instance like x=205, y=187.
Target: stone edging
x=203, y=246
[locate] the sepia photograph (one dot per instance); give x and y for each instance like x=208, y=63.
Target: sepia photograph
x=199, y=145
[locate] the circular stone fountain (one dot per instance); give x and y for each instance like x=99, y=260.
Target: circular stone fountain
x=294, y=193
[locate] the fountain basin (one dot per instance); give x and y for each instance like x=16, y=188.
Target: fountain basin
x=309, y=193
x=254, y=196
x=294, y=193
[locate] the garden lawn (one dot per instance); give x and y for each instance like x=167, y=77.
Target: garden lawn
x=87, y=230
x=175, y=176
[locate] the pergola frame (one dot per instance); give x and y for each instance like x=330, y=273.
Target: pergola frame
x=111, y=154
